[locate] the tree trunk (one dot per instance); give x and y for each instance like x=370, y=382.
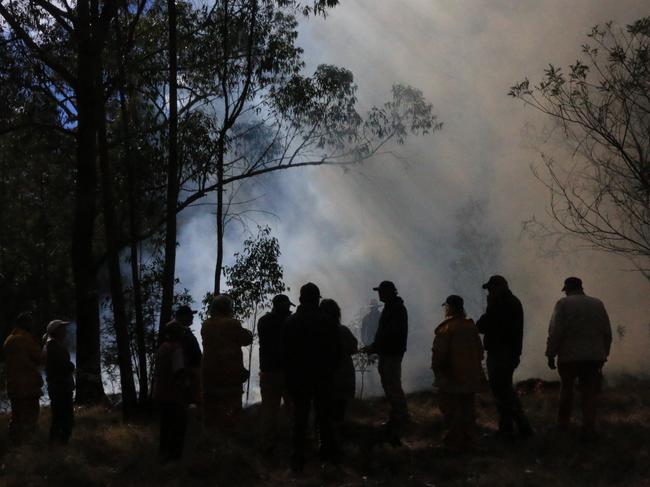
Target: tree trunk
x=132, y=190
x=169, y=269
x=129, y=401
x=220, y=216
x=89, y=380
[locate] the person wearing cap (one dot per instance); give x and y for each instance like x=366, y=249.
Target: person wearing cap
x=390, y=344
x=182, y=323
x=580, y=336
x=457, y=363
x=59, y=373
x=311, y=351
x=270, y=329
x=502, y=326
x=24, y=382
x=222, y=369
x=171, y=391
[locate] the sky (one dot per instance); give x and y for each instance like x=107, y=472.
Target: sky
x=402, y=221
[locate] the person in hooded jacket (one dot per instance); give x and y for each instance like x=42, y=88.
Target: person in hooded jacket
x=311, y=352
x=456, y=360
x=390, y=345
x=345, y=374
x=24, y=382
x=59, y=372
x=502, y=326
x=222, y=368
x=273, y=387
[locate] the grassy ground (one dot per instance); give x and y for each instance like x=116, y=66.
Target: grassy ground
x=106, y=452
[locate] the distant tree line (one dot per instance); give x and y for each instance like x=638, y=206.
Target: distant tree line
x=117, y=115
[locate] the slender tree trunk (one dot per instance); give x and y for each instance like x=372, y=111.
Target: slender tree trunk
x=89, y=380
x=220, y=220
x=129, y=398
x=132, y=189
x=169, y=269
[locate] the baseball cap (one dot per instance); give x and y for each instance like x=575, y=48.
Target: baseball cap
x=572, y=283
x=455, y=301
x=282, y=298
x=387, y=285
x=495, y=281
x=184, y=310
x=54, y=325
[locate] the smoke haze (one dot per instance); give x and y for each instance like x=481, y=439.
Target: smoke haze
x=346, y=231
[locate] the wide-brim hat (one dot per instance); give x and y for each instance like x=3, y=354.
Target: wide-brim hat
x=55, y=325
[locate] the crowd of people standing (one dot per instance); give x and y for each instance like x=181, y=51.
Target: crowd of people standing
x=305, y=361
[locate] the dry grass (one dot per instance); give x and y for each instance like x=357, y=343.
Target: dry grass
x=105, y=452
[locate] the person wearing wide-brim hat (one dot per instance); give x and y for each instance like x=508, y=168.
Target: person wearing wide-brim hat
x=59, y=373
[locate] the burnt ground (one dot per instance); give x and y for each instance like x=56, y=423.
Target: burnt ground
x=106, y=452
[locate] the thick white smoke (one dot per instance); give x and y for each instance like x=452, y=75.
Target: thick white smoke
x=387, y=220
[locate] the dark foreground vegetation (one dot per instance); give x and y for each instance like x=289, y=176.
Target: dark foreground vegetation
x=106, y=452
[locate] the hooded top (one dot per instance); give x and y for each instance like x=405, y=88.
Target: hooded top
x=457, y=356
x=392, y=331
x=502, y=325
x=579, y=330
x=23, y=359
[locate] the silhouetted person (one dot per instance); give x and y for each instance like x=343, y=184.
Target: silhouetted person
x=580, y=335
x=311, y=353
x=273, y=384
x=24, y=382
x=183, y=319
x=222, y=369
x=171, y=392
x=457, y=363
x=390, y=345
x=59, y=372
x=502, y=325
x=369, y=323
x=344, y=375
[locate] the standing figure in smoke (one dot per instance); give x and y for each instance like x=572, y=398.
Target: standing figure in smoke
x=273, y=385
x=345, y=375
x=390, y=345
x=171, y=392
x=24, y=382
x=502, y=325
x=222, y=369
x=311, y=349
x=182, y=325
x=457, y=363
x=59, y=372
x=580, y=335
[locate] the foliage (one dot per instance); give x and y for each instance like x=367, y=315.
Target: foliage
x=602, y=103
x=256, y=276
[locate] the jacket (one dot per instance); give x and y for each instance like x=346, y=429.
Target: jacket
x=59, y=369
x=579, y=330
x=502, y=325
x=270, y=329
x=345, y=373
x=223, y=360
x=23, y=359
x=170, y=384
x=190, y=344
x=392, y=331
x=311, y=351
x=457, y=356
